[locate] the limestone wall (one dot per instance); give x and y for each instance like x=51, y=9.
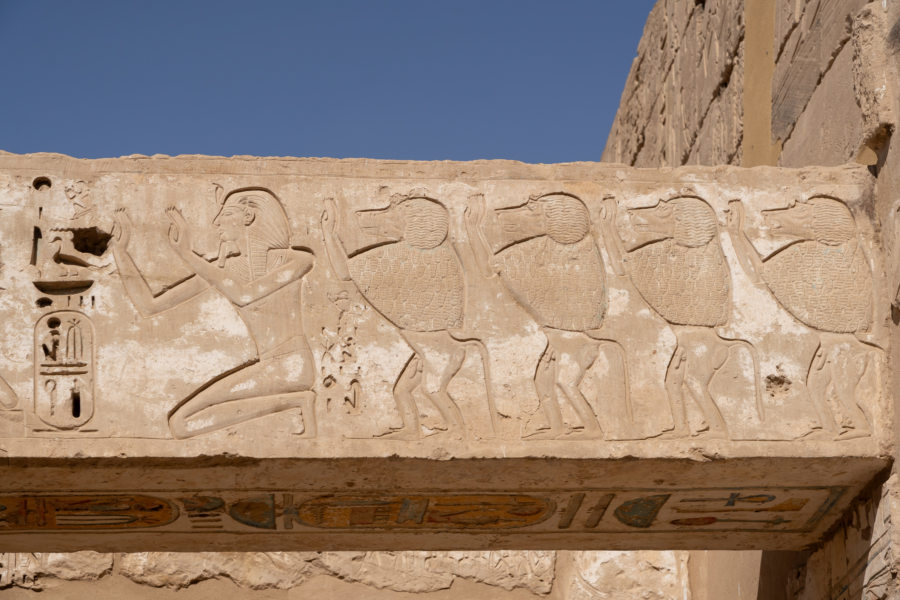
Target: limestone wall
x=495, y=575
x=682, y=100
x=813, y=83
x=781, y=82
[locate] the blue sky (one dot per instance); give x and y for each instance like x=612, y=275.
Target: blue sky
x=537, y=81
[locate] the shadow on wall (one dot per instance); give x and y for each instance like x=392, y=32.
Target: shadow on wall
x=854, y=564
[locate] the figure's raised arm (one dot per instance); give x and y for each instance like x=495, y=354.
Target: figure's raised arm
x=746, y=253
x=136, y=286
x=610, y=234
x=238, y=292
x=337, y=256
x=475, y=215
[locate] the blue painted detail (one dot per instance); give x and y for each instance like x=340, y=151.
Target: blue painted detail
x=640, y=512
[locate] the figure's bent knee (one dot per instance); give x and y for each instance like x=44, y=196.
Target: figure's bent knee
x=178, y=426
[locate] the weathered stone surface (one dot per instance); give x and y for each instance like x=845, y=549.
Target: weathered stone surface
x=642, y=88
x=430, y=571
x=807, y=55
x=641, y=574
x=787, y=16
x=26, y=570
x=704, y=66
x=874, y=76
x=719, y=139
x=829, y=130
x=850, y=112
x=857, y=561
x=468, y=349
x=685, y=60
x=410, y=572
x=255, y=570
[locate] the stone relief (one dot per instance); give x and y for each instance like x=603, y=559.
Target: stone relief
x=340, y=367
x=64, y=365
x=552, y=312
x=258, y=270
x=822, y=277
x=679, y=268
x=415, y=280
x=68, y=255
x=548, y=261
x=641, y=574
x=8, y=397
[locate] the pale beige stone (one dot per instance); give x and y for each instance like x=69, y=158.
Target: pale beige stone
x=787, y=16
x=849, y=113
x=647, y=575
x=430, y=571
x=318, y=587
x=720, y=137
x=29, y=570
x=829, y=130
x=412, y=572
x=686, y=58
x=809, y=52
x=254, y=570
x=475, y=317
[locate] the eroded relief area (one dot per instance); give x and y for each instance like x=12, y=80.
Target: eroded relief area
x=229, y=307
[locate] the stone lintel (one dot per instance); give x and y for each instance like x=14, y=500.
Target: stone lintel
x=393, y=503
x=201, y=353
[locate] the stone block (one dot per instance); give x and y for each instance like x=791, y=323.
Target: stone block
x=787, y=16
x=808, y=53
x=705, y=63
x=652, y=575
x=295, y=354
x=719, y=139
x=655, y=137
x=830, y=129
x=642, y=87
x=858, y=560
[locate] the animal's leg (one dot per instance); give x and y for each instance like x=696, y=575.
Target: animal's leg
x=437, y=381
x=817, y=382
x=698, y=373
x=409, y=379
x=757, y=382
x=619, y=351
x=488, y=380
x=626, y=378
x=545, y=386
x=675, y=390
x=570, y=375
x=851, y=366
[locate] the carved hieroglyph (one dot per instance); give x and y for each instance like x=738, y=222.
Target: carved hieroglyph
x=321, y=309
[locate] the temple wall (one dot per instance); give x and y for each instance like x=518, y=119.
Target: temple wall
x=821, y=75
x=813, y=83
x=682, y=100
x=495, y=575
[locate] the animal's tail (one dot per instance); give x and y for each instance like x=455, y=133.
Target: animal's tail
x=757, y=383
x=629, y=410
x=488, y=382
